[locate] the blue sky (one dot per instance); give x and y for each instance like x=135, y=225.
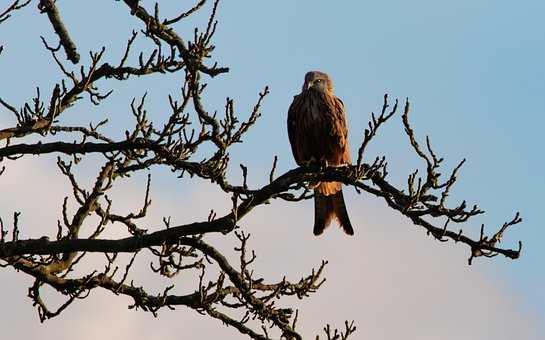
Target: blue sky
x=474, y=72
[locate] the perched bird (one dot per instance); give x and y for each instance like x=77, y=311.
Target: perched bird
x=318, y=134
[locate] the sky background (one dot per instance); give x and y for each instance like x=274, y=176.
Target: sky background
x=475, y=75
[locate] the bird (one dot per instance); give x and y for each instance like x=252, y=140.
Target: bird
x=318, y=132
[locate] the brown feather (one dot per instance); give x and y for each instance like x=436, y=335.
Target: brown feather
x=323, y=212
x=317, y=128
x=341, y=214
x=327, y=208
x=318, y=134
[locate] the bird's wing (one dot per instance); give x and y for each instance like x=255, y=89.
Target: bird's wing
x=335, y=120
x=292, y=126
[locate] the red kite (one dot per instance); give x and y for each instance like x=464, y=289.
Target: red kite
x=318, y=134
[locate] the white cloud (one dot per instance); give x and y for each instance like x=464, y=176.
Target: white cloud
x=392, y=279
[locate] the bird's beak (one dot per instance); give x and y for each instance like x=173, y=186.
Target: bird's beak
x=309, y=85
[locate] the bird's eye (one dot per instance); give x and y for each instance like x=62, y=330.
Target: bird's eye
x=318, y=80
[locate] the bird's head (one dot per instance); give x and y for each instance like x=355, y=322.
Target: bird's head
x=318, y=81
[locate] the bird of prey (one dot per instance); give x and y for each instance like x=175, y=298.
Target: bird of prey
x=318, y=134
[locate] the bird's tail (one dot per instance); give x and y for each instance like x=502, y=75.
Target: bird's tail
x=328, y=205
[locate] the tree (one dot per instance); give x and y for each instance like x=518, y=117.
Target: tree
x=190, y=132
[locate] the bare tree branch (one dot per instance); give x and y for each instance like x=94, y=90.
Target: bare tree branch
x=191, y=138
x=48, y=7
x=16, y=5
